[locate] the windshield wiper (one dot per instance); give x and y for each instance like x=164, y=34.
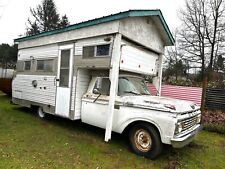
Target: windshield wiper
x=132, y=92
x=145, y=94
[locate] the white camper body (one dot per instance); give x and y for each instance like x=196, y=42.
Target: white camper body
x=79, y=72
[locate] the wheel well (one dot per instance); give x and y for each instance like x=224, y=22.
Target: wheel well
x=34, y=107
x=126, y=130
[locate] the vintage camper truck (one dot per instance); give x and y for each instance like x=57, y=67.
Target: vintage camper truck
x=95, y=72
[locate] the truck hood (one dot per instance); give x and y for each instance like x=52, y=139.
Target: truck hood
x=160, y=103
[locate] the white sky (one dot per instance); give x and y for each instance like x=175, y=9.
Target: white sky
x=14, y=13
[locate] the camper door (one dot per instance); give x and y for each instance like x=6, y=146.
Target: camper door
x=64, y=80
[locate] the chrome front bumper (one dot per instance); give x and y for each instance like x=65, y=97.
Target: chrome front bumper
x=184, y=139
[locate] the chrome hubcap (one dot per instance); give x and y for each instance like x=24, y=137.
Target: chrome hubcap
x=41, y=113
x=143, y=140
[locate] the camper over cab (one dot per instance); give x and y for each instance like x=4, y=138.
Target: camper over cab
x=95, y=72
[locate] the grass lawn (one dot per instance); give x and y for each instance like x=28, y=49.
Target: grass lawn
x=29, y=142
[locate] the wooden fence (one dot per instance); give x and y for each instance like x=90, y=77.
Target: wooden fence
x=6, y=85
x=215, y=99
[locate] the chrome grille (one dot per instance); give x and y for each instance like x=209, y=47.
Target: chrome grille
x=189, y=123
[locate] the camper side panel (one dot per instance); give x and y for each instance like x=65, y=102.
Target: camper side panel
x=44, y=93
x=41, y=52
x=138, y=59
x=34, y=82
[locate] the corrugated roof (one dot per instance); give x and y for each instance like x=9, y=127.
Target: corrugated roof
x=193, y=94
x=109, y=18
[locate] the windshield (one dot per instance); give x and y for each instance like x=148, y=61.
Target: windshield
x=132, y=85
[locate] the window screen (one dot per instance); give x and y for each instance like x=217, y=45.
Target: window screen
x=20, y=66
x=45, y=65
x=40, y=65
x=48, y=65
x=88, y=51
x=103, y=50
x=27, y=65
x=64, y=68
x=96, y=51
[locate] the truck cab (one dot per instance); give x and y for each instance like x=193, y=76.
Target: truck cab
x=150, y=121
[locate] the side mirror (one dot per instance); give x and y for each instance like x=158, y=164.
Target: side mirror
x=96, y=91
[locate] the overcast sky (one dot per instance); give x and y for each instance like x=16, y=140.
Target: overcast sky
x=14, y=13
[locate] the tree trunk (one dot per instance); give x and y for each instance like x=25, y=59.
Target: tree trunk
x=204, y=86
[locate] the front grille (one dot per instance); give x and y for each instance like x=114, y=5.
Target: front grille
x=189, y=123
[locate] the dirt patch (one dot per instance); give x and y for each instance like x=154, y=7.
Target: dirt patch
x=223, y=146
x=108, y=152
x=173, y=165
x=196, y=146
x=3, y=144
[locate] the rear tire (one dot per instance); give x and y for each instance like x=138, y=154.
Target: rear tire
x=41, y=113
x=145, y=140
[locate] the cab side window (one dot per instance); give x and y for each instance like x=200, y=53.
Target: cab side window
x=102, y=86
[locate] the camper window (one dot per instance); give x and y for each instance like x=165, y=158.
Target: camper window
x=88, y=51
x=103, y=50
x=45, y=65
x=27, y=65
x=20, y=66
x=96, y=51
x=40, y=65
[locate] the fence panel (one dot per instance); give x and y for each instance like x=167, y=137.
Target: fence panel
x=215, y=99
x=6, y=85
x=193, y=94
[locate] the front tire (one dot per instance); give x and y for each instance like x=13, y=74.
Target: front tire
x=145, y=140
x=41, y=113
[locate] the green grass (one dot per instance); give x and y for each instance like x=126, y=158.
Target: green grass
x=29, y=142
x=216, y=127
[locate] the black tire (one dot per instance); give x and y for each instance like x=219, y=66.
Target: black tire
x=145, y=140
x=41, y=113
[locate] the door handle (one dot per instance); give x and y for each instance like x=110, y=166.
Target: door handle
x=55, y=80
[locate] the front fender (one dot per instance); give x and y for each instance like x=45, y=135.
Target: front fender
x=126, y=123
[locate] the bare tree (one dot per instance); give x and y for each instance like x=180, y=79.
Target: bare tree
x=201, y=37
x=174, y=63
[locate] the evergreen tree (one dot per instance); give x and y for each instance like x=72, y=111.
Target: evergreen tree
x=33, y=29
x=46, y=18
x=219, y=64
x=64, y=21
x=8, y=55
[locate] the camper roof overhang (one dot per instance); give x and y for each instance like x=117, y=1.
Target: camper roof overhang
x=100, y=26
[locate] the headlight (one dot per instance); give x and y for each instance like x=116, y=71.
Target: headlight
x=198, y=119
x=179, y=127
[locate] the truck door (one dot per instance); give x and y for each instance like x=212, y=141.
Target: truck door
x=64, y=80
x=95, y=106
